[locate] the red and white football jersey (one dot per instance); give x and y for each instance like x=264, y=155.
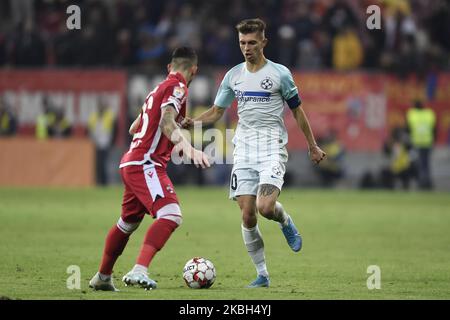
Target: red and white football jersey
x=149, y=144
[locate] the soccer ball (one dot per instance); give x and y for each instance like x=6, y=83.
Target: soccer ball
x=199, y=273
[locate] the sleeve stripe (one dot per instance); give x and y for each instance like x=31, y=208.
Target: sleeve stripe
x=172, y=102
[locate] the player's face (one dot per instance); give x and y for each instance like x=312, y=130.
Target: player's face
x=252, y=45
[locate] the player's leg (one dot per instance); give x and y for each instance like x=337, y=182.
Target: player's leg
x=253, y=239
x=117, y=238
x=160, y=199
x=167, y=220
x=271, y=182
x=268, y=206
x=115, y=243
x=243, y=188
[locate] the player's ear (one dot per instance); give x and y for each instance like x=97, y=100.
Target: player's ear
x=169, y=66
x=194, y=70
x=264, y=42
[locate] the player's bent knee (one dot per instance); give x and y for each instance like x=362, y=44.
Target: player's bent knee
x=170, y=212
x=127, y=227
x=266, y=209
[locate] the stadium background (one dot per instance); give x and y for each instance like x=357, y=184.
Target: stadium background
x=356, y=84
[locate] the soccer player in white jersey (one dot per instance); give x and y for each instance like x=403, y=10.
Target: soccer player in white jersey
x=261, y=88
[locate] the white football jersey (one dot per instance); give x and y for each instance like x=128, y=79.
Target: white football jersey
x=260, y=134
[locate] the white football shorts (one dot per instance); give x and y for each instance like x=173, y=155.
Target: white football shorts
x=245, y=180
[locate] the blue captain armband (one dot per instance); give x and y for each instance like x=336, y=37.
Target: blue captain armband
x=294, y=102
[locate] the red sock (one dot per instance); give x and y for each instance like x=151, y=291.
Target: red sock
x=157, y=235
x=115, y=243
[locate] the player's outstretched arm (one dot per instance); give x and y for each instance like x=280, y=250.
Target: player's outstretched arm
x=171, y=130
x=315, y=153
x=206, y=118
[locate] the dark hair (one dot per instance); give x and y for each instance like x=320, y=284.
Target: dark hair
x=184, y=58
x=418, y=104
x=251, y=25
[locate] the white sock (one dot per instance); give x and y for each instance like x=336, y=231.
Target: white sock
x=255, y=247
x=140, y=269
x=281, y=215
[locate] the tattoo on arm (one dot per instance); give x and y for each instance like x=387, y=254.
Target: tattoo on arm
x=168, y=121
x=266, y=190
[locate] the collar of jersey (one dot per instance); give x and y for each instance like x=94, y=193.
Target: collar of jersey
x=265, y=64
x=178, y=76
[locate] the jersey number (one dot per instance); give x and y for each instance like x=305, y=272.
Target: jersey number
x=234, y=182
x=147, y=105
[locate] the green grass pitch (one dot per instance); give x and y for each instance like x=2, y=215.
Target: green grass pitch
x=44, y=231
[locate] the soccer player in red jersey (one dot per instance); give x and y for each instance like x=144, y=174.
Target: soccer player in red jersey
x=148, y=189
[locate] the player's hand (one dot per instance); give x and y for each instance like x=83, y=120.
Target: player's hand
x=187, y=123
x=199, y=158
x=316, y=154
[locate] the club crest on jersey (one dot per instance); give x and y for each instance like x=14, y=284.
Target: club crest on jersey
x=178, y=92
x=276, y=170
x=267, y=84
x=169, y=188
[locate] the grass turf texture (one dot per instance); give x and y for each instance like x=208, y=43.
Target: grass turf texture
x=43, y=231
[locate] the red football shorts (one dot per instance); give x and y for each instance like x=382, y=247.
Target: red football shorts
x=147, y=189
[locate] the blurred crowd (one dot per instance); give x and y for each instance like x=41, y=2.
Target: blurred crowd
x=407, y=152
x=303, y=34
